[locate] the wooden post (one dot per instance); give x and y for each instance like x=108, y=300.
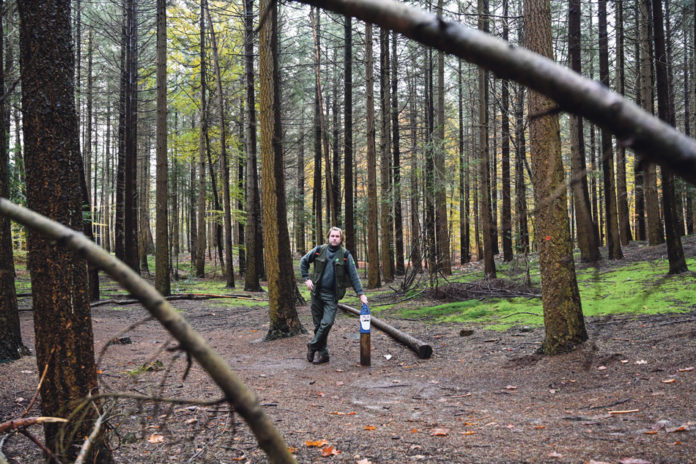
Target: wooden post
x=365, y=359
x=422, y=349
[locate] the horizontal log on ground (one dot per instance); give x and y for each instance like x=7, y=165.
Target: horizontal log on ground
x=422, y=349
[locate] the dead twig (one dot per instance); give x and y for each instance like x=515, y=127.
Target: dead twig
x=96, y=431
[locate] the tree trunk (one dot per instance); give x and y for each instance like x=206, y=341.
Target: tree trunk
x=586, y=228
x=284, y=321
x=415, y=257
x=563, y=319
x=464, y=248
x=202, y=137
x=442, y=229
x=316, y=193
x=506, y=214
x=130, y=221
x=11, y=346
x=610, y=205
x=62, y=321
x=398, y=219
x=373, y=277
x=621, y=186
x=229, y=265
x=385, y=206
x=484, y=189
x=162, y=283
x=675, y=252
x=252, y=232
x=348, y=135
x=520, y=185
x=430, y=250
x=655, y=234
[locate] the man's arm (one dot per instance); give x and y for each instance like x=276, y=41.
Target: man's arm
x=355, y=279
x=304, y=268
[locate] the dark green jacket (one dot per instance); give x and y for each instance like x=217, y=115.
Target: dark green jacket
x=341, y=268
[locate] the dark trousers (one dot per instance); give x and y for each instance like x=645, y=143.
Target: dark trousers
x=323, y=315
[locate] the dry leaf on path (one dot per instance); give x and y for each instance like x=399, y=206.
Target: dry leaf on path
x=686, y=369
x=633, y=461
x=316, y=443
x=364, y=461
x=439, y=432
x=370, y=427
x=329, y=451
x=156, y=438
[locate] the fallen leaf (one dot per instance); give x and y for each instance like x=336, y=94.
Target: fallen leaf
x=99, y=371
x=320, y=393
x=539, y=427
x=329, y=451
x=602, y=368
x=592, y=461
x=387, y=357
x=370, y=427
x=669, y=380
x=364, y=461
x=439, y=432
x=467, y=432
x=414, y=430
x=686, y=369
x=156, y=438
x=641, y=361
x=554, y=454
x=191, y=421
x=633, y=461
x=316, y=444
x=511, y=387
x=292, y=449
x=681, y=428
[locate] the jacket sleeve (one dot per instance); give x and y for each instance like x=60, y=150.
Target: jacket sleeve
x=353, y=274
x=304, y=263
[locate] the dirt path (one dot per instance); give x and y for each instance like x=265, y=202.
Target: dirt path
x=628, y=393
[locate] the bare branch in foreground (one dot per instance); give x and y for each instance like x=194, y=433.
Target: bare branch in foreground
x=650, y=137
x=240, y=397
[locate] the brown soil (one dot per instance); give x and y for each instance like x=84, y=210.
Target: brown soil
x=627, y=393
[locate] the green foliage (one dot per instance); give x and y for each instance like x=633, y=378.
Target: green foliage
x=637, y=288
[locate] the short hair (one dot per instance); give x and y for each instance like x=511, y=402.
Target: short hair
x=337, y=229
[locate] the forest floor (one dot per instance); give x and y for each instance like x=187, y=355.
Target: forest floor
x=628, y=395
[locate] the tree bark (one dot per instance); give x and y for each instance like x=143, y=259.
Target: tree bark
x=130, y=191
x=11, y=346
x=675, y=252
x=229, y=265
x=442, y=229
x=654, y=226
x=284, y=321
x=385, y=203
x=586, y=228
x=563, y=320
x=348, y=135
x=251, y=234
x=484, y=167
x=609, y=182
x=621, y=186
x=373, y=277
x=202, y=137
x=396, y=140
x=162, y=283
x=62, y=321
x=506, y=222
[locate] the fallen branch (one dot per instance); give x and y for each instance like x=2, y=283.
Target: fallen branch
x=24, y=422
x=90, y=440
x=422, y=349
x=240, y=397
x=181, y=296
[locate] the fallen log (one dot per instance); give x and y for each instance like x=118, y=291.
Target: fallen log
x=422, y=349
x=181, y=296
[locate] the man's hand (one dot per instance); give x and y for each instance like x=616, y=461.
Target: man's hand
x=363, y=298
x=309, y=284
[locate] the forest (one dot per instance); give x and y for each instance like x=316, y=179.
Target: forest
x=486, y=161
